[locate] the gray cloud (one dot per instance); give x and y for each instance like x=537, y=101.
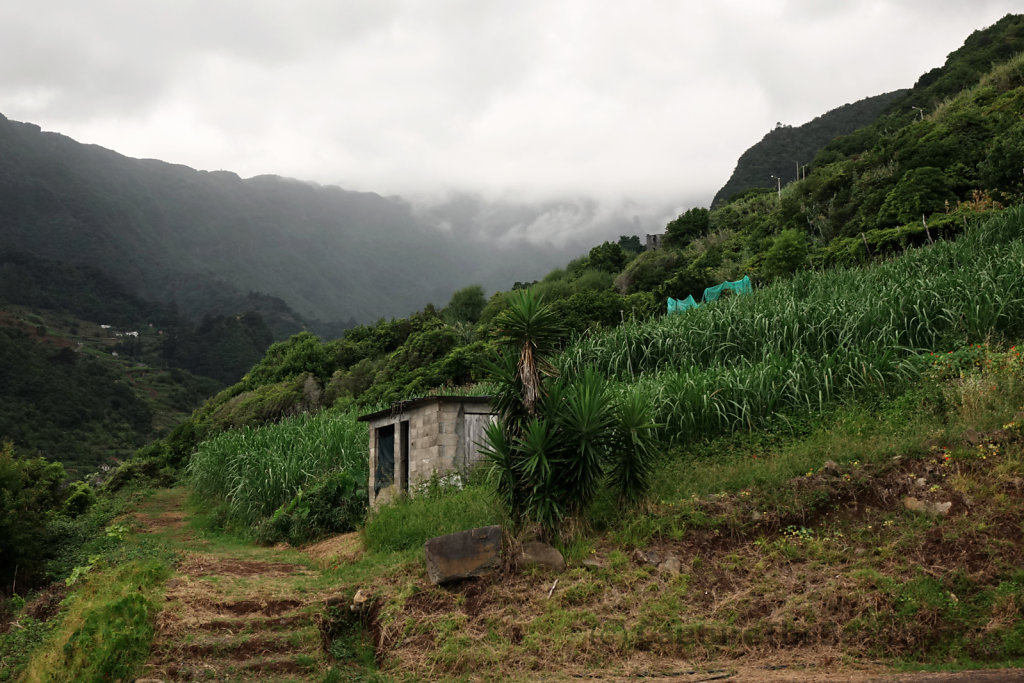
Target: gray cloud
x=652, y=100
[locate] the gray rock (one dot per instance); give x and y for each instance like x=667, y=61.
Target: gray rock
x=359, y=600
x=671, y=566
x=538, y=554
x=651, y=557
x=831, y=468
x=464, y=554
x=927, y=507
x=592, y=564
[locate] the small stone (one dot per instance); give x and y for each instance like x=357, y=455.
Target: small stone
x=359, y=600
x=928, y=508
x=913, y=504
x=831, y=468
x=756, y=516
x=921, y=481
x=538, y=554
x=670, y=566
x=592, y=564
x=651, y=557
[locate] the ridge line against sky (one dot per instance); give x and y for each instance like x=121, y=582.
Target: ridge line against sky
x=651, y=100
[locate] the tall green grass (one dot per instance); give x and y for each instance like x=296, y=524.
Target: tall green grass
x=802, y=344
x=257, y=470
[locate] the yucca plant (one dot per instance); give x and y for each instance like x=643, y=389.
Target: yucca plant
x=557, y=441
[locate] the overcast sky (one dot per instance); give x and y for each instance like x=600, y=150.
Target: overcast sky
x=652, y=100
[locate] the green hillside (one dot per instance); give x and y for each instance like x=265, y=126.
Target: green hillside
x=786, y=151
x=823, y=474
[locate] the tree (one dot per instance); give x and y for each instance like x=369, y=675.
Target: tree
x=608, y=257
x=466, y=305
x=787, y=254
x=921, y=191
x=647, y=271
x=687, y=227
x=630, y=244
x=30, y=493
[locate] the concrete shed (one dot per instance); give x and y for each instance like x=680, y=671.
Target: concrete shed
x=415, y=439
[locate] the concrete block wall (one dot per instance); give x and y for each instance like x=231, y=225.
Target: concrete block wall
x=437, y=443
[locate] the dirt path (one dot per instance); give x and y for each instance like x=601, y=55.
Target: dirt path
x=232, y=612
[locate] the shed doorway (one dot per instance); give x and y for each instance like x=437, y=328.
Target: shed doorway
x=385, y=470
x=403, y=456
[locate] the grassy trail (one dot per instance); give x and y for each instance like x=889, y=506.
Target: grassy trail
x=232, y=612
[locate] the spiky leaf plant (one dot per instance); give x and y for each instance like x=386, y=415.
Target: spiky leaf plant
x=557, y=440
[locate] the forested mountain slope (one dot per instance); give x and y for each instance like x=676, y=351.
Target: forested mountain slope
x=778, y=153
x=786, y=150
x=204, y=240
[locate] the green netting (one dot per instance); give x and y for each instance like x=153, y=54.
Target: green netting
x=710, y=294
x=739, y=286
x=680, y=305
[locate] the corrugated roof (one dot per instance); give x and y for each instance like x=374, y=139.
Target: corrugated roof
x=404, y=406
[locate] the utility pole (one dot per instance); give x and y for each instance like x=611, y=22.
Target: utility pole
x=778, y=180
x=920, y=112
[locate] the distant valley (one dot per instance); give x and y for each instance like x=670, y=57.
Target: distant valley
x=208, y=241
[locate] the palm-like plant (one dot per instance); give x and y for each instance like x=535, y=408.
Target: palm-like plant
x=557, y=440
x=533, y=330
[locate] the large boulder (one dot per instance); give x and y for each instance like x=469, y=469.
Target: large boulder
x=464, y=554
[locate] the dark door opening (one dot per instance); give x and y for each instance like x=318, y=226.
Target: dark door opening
x=384, y=474
x=403, y=457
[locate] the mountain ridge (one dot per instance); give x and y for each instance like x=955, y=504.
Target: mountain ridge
x=175, y=234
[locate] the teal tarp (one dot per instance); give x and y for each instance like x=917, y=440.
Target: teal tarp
x=678, y=306
x=739, y=286
x=710, y=294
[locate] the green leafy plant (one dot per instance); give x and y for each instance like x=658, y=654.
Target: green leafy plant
x=558, y=441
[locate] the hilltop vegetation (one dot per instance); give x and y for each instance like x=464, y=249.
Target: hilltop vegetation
x=786, y=151
x=91, y=373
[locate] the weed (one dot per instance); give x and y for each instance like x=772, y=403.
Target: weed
x=408, y=522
